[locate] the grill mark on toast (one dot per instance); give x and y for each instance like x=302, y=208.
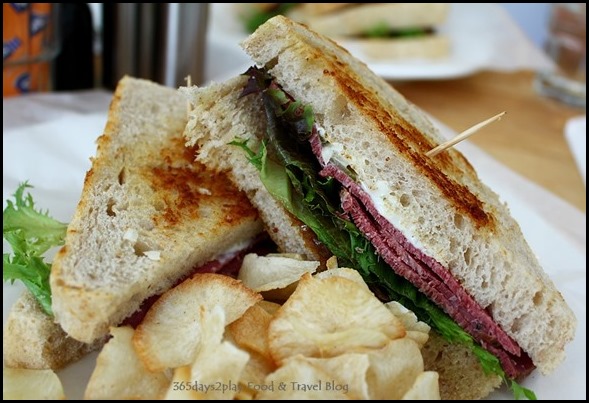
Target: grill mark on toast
x=183, y=186
x=413, y=144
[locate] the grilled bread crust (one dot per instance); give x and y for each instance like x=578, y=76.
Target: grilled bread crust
x=148, y=214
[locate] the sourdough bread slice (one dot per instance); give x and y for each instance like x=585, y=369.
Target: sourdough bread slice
x=439, y=204
x=148, y=214
x=32, y=340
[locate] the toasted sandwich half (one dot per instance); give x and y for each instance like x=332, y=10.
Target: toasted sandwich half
x=313, y=135
x=149, y=215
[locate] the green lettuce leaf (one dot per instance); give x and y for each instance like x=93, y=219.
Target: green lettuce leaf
x=30, y=232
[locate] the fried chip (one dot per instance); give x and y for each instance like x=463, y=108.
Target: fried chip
x=297, y=380
x=31, y=384
x=345, y=373
x=269, y=306
x=257, y=369
x=217, y=367
x=181, y=387
x=250, y=330
x=425, y=387
x=331, y=263
x=416, y=330
x=344, y=272
x=120, y=374
x=169, y=336
x=264, y=273
x=393, y=369
x=328, y=317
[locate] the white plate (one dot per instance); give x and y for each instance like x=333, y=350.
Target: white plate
x=54, y=157
x=483, y=36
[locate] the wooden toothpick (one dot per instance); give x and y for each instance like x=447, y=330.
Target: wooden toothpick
x=465, y=134
x=188, y=79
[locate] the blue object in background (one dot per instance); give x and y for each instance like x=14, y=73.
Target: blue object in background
x=532, y=18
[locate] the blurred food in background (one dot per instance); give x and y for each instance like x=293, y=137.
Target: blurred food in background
x=383, y=30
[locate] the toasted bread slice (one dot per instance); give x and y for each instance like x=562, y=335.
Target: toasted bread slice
x=33, y=340
x=148, y=215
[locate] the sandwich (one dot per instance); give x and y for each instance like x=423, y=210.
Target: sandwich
x=334, y=158
x=375, y=31
x=149, y=216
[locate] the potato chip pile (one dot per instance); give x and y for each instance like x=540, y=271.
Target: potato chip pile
x=279, y=331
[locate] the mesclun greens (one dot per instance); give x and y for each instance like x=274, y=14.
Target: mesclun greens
x=288, y=170
x=30, y=233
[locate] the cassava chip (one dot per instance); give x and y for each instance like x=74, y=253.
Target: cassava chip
x=345, y=373
x=393, y=369
x=298, y=380
x=269, y=306
x=31, y=384
x=217, y=367
x=221, y=367
x=120, y=374
x=181, y=387
x=416, y=330
x=328, y=317
x=331, y=263
x=257, y=369
x=250, y=330
x=344, y=272
x=169, y=336
x=264, y=273
x=425, y=387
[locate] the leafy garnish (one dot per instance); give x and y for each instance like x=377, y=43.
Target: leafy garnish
x=30, y=233
x=519, y=392
x=288, y=171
